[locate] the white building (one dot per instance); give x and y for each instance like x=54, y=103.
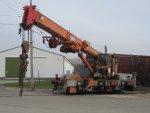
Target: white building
x=45, y=64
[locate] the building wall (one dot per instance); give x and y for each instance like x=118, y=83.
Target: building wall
x=45, y=64
x=9, y=53
x=68, y=67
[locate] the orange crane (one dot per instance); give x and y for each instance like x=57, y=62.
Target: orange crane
x=60, y=36
x=94, y=60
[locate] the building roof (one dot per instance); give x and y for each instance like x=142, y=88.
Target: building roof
x=9, y=49
x=130, y=55
x=38, y=49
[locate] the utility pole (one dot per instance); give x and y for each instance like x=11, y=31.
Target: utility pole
x=31, y=59
x=30, y=2
x=105, y=49
x=31, y=56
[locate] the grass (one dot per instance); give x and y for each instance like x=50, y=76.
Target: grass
x=38, y=85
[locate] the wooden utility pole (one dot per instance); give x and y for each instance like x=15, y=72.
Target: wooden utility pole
x=31, y=56
x=30, y=2
x=31, y=59
x=105, y=49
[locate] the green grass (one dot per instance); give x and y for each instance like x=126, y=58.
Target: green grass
x=38, y=85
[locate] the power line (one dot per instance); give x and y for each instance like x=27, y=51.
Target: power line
x=38, y=33
x=8, y=24
x=13, y=3
x=10, y=16
x=41, y=31
x=10, y=7
x=17, y=25
x=21, y=3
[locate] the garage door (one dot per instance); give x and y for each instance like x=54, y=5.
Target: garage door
x=12, y=67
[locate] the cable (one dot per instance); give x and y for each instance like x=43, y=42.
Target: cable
x=13, y=3
x=17, y=25
x=5, y=3
x=42, y=34
x=46, y=45
x=10, y=16
x=40, y=31
x=10, y=7
x=8, y=24
x=21, y=3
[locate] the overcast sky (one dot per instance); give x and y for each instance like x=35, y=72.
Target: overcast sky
x=122, y=25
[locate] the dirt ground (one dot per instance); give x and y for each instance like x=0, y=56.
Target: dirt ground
x=43, y=101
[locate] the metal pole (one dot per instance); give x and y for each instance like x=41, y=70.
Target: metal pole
x=31, y=59
x=30, y=2
x=105, y=49
x=31, y=56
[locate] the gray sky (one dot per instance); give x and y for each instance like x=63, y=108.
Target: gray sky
x=122, y=25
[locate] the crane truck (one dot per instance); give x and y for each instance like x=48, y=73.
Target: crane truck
x=103, y=76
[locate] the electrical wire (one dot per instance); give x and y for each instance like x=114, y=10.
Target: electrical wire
x=8, y=24
x=12, y=6
x=15, y=10
x=12, y=3
x=46, y=45
x=9, y=7
x=21, y=3
x=40, y=31
x=42, y=36
x=9, y=16
x=17, y=25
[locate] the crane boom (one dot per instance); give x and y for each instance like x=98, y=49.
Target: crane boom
x=70, y=42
